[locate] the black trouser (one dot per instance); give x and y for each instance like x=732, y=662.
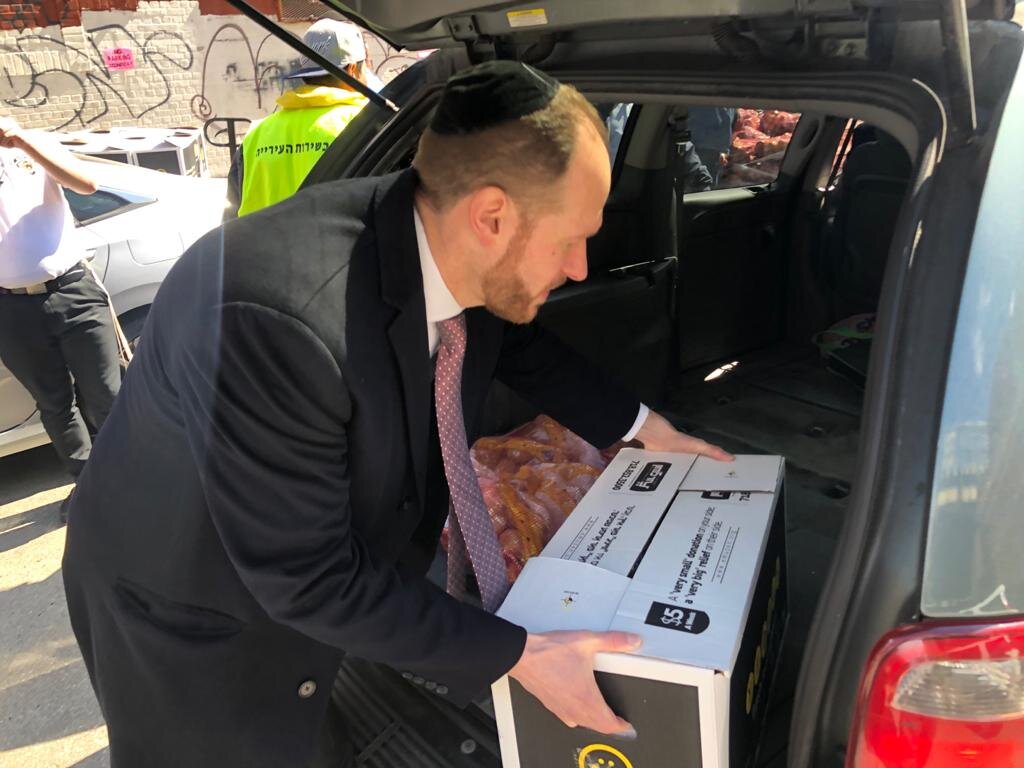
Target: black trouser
x=55, y=342
x=710, y=157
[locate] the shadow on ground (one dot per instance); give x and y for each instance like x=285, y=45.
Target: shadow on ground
x=19, y=529
x=100, y=759
x=30, y=472
x=47, y=694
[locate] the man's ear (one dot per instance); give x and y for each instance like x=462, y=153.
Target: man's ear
x=490, y=213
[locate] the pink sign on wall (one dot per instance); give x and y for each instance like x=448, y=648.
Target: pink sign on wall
x=119, y=58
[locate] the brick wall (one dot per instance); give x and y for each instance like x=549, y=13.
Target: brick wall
x=64, y=13
x=56, y=76
x=224, y=8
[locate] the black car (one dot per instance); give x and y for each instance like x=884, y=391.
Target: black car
x=846, y=292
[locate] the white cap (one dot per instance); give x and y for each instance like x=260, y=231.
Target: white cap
x=339, y=42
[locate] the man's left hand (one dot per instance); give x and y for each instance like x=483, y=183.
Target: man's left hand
x=658, y=434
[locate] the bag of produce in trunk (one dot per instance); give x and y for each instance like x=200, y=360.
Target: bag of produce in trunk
x=531, y=479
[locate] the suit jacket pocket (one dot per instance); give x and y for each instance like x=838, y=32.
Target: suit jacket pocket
x=182, y=619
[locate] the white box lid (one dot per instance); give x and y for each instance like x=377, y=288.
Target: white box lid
x=612, y=524
x=712, y=535
x=747, y=473
x=553, y=594
x=690, y=596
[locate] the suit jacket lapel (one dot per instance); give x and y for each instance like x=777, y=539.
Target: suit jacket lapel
x=402, y=288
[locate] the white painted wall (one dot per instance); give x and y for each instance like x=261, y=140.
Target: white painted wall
x=188, y=68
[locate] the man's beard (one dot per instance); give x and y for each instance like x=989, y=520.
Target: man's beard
x=505, y=293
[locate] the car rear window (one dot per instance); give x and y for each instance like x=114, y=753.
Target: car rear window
x=737, y=147
x=616, y=117
x=103, y=203
x=759, y=141
x=100, y=204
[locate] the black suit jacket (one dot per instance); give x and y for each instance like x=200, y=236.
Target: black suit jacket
x=257, y=502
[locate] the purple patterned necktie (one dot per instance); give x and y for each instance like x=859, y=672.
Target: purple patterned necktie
x=470, y=530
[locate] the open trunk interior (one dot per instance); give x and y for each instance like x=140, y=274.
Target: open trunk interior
x=714, y=306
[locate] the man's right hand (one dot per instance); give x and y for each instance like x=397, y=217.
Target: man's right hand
x=558, y=668
x=44, y=149
x=10, y=133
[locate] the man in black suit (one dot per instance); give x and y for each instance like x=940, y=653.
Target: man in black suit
x=271, y=484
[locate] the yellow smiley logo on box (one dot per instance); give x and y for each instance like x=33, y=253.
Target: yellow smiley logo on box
x=603, y=756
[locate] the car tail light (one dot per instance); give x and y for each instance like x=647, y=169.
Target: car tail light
x=942, y=695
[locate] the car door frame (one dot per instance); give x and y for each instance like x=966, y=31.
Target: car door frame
x=875, y=581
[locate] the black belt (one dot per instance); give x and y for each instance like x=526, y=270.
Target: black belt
x=73, y=275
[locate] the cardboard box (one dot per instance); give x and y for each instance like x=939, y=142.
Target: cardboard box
x=689, y=553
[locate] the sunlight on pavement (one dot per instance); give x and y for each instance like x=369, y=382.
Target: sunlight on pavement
x=57, y=753
x=35, y=501
x=26, y=520
x=40, y=562
x=49, y=717
x=47, y=657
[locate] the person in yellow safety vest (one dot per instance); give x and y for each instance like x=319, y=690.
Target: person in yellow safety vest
x=279, y=151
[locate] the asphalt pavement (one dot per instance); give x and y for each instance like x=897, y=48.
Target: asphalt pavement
x=49, y=717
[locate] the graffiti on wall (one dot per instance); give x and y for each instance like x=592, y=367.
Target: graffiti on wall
x=252, y=73
x=256, y=70
x=387, y=62
x=83, y=76
x=107, y=74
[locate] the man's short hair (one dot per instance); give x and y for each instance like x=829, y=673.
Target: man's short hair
x=356, y=69
x=524, y=156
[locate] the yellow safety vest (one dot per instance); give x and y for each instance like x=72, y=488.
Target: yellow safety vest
x=280, y=150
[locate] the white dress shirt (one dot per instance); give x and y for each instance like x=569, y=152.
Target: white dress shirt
x=38, y=241
x=441, y=305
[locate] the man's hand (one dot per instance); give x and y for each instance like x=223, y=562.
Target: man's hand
x=64, y=167
x=657, y=434
x=10, y=133
x=558, y=668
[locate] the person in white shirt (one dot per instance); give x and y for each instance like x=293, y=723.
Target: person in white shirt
x=56, y=329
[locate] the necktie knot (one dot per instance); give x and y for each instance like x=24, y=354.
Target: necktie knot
x=452, y=332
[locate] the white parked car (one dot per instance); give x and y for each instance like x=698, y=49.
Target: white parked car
x=133, y=229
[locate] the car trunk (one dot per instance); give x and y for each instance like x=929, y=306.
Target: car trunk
x=780, y=399
x=707, y=303
x=704, y=312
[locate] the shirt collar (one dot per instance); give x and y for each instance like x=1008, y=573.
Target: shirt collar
x=441, y=304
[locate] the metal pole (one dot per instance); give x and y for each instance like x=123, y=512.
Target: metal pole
x=230, y=123
x=957, y=55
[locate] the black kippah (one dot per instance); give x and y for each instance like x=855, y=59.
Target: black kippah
x=491, y=93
